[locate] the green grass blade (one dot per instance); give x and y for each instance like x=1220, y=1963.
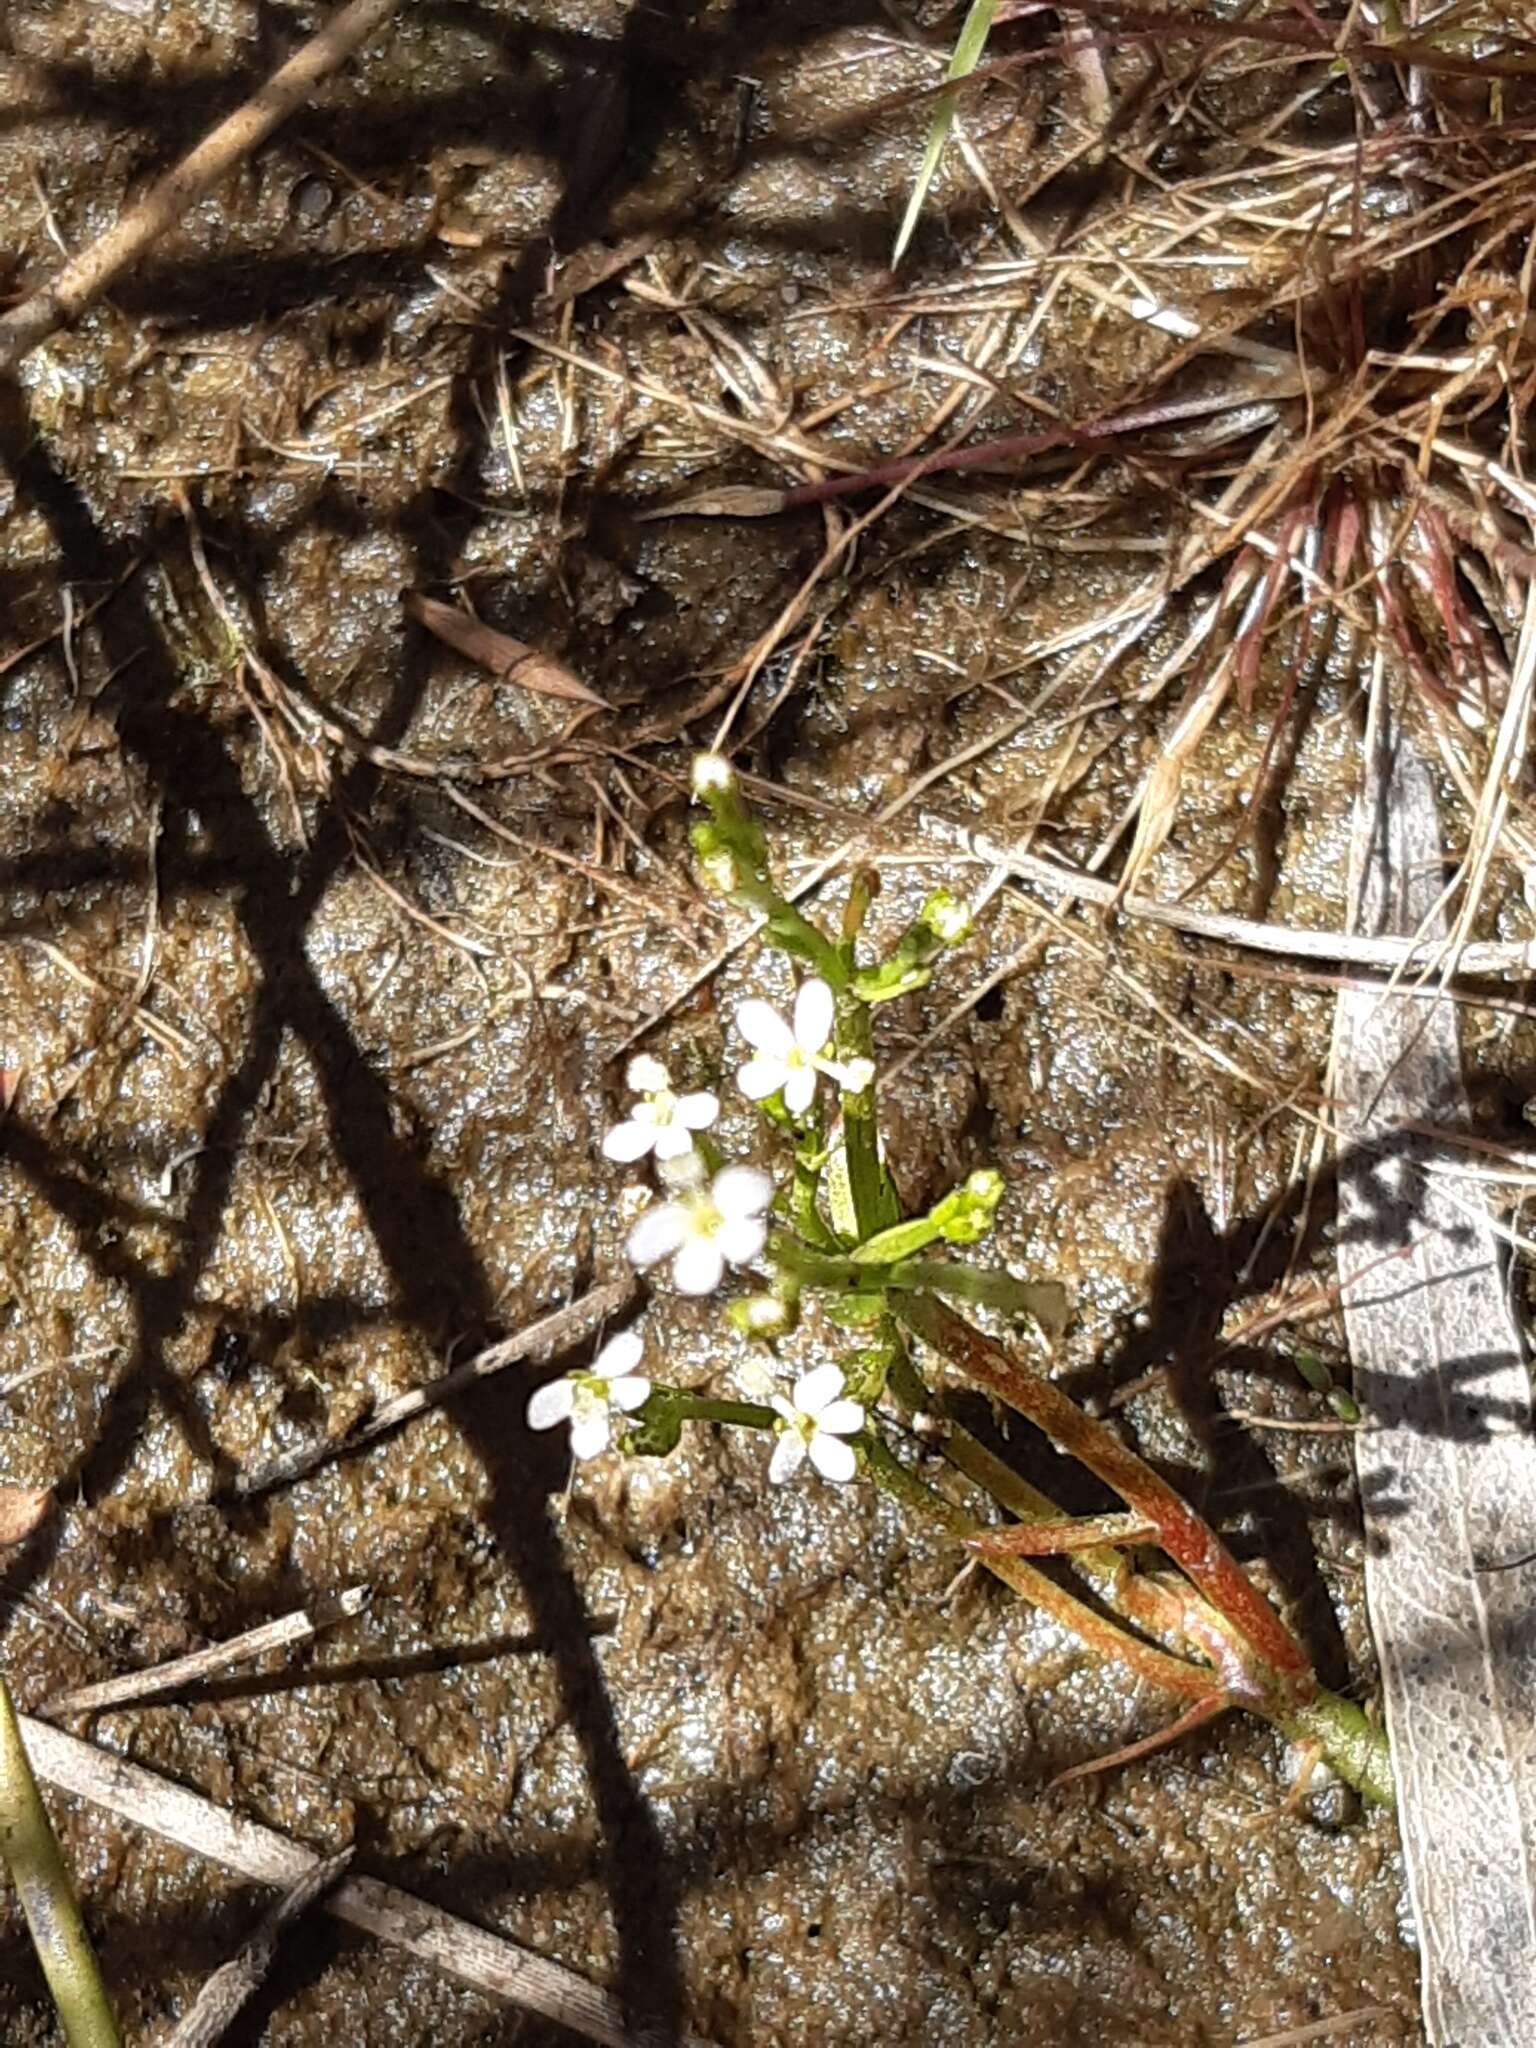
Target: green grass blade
x=30, y=1850
x=967, y=55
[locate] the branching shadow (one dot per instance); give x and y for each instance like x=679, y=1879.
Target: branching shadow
x=412, y=1215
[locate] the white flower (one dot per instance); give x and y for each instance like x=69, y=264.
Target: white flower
x=660, y=1121
x=587, y=1400
x=790, y=1056
x=712, y=774
x=816, y=1421
x=705, y=1227
x=947, y=919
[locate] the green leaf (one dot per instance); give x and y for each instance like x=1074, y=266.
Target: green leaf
x=967, y=55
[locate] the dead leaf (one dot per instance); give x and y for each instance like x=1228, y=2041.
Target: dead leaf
x=21, y=1509
x=730, y=501
x=1448, y=1493
x=10, y=1082
x=513, y=660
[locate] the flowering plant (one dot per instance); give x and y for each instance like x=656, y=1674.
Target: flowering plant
x=897, y=1294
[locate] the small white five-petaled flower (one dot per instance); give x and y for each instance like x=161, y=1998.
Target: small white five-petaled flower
x=588, y=1400
x=816, y=1422
x=789, y=1056
x=702, y=1228
x=660, y=1121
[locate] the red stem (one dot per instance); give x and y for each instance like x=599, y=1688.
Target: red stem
x=1009, y=447
x=1188, y=1539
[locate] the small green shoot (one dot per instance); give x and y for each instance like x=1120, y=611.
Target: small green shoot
x=31, y=1854
x=967, y=55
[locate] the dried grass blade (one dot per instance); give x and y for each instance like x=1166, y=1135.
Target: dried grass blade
x=514, y=661
x=489, y=1962
x=1446, y=1477
x=134, y=1688
x=232, y=1985
x=967, y=55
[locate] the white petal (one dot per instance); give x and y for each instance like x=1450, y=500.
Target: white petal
x=788, y=1457
x=590, y=1433
x=755, y=1381
x=813, y=1015
x=631, y=1391
x=799, y=1090
x=758, y=1079
x=551, y=1404
x=698, y=1267
x=698, y=1111
x=742, y=1191
x=684, y=1172
x=781, y=1407
x=627, y=1142
x=854, y=1075
x=763, y=1028
x=645, y=1075
x=741, y=1238
x=841, y=1418
x=818, y=1389
x=657, y=1232
x=672, y=1141
x=620, y=1354
x=833, y=1457
x=712, y=772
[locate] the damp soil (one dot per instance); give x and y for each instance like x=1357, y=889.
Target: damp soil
x=314, y=1063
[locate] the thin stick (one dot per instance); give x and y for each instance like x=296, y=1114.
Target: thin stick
x=227, y=1990
x=543, y=1339
x=134, y=1687
x=1384, y=952
x=1318, y=2030
x=457, y=1947
x=86, y=276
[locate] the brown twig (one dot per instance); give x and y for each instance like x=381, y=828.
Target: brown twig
x=544, y=1338
x=226, y=1991
x=134, y=1687
x=87, y=275
x=487, y=1961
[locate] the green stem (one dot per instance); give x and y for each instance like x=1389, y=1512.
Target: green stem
x=1352, y=1745
x=875, y=1206
x=29, y=1847
x=704, y=1408
x=974, y=1284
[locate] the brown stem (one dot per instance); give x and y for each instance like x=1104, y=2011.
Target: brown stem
x=1103, y=1636
x=87, y=275
x=1190, y=1541
x=1008, y=448
x=1052, y=1539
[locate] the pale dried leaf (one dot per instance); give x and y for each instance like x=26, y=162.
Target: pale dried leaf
x=1160, y=792
x=1447, y=1472
x=729, y=501
x=22, y=1508
x=514, y=661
